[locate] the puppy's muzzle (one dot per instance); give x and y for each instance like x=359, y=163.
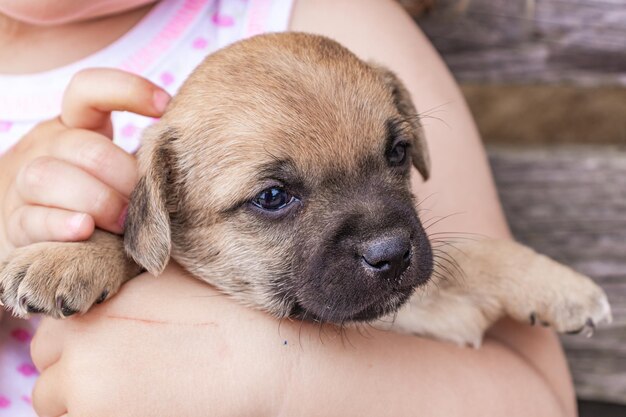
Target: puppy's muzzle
x=369, y=259
x=387, y=257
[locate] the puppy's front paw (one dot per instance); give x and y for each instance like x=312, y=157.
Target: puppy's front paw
x=564, y=299
x=578, y=310
x=61, y=279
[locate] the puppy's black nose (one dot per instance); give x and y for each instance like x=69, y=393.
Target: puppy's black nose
x=387, y=256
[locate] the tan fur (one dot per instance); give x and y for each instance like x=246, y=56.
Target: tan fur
x=487, y=279
x=57, y=277
x=303, y=103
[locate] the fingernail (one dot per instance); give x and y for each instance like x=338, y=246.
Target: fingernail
x=160, y=99
x=122, y=219
x=77, y=220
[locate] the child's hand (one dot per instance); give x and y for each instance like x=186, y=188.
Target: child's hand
x=66, y=177
x=171, y=346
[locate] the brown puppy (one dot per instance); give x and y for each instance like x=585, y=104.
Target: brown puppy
x=280, y=174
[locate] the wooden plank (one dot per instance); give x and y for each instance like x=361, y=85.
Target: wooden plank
x=548, y=114
x=525, y=41
x=569, y=202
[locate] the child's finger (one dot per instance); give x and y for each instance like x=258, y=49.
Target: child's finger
x=51, y=182
x=49, y=393
x=47, y=344
x=93, y=94
x=99, y=157
x=32, y=224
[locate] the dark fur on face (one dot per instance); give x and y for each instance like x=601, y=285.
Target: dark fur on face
x=280, y=174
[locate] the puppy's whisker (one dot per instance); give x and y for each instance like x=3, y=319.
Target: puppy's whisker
x=442, y=268
x=439, y=119
x=421, y=211
x=370, y=326
x=423, y=200
x=280, y=322
x=207, y=296
x=300, y=328
x=449, y=266
x=459, y=235
x=387, y=320
x=440, y=265
x=449, y=259
x=348, y=337
x=320, y=331
x=363, y=329
x=393, y=318
x=444, y=253
x=440, y=219
x=427, y=114
x=449, y=244
x=341, y=334
x=437, y=108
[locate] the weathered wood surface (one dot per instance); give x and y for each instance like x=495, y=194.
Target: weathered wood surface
x=580, y=41
x=548, y=114
x=569, y=202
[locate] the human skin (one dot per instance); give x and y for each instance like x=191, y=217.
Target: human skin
x=519, y=370
x=59, y=12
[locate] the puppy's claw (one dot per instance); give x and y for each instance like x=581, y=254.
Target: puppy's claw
x=30, y=309
x=62, y=306
x=23, y=303
x=577, y=331
x=589, y=328
x=605, y=316
x=102, y=297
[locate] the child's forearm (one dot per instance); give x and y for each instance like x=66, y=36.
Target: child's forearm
x=390, y=374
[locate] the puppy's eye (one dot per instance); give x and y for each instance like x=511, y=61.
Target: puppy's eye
x=273, y=199
x=397, y=154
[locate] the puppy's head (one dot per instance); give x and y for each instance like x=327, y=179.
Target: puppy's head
x=280, y=174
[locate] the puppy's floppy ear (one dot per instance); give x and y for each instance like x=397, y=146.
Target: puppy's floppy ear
x=402, y=99
x=147, y=236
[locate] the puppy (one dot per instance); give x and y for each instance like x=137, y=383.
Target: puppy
x=280, y=175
